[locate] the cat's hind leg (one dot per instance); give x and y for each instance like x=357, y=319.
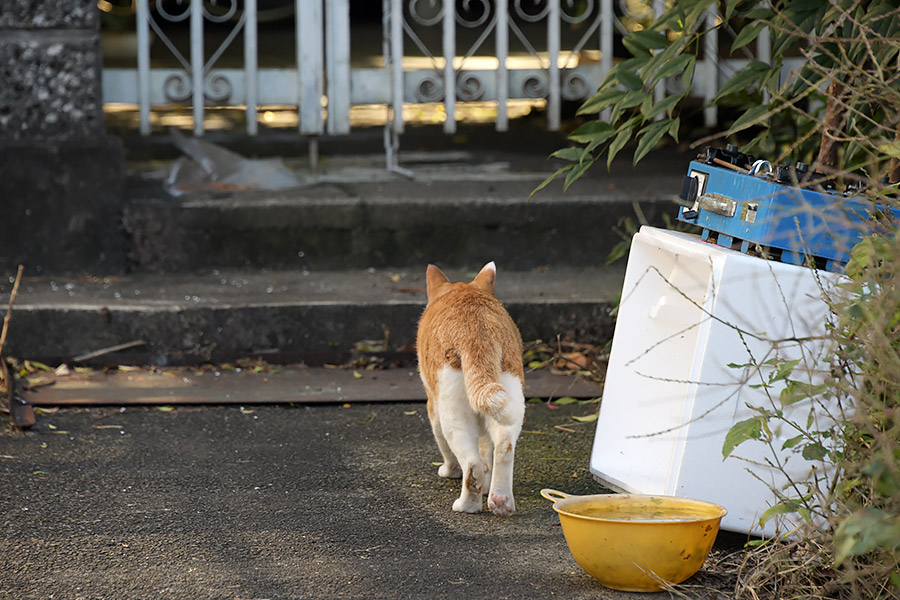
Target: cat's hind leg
x=460, y=428
x=500, y=498
x=450, y=468
x=486, y=451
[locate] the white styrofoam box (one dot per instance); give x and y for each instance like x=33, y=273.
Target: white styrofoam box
x=688, y=309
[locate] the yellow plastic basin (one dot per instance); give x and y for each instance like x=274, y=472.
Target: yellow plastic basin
x=637, y=543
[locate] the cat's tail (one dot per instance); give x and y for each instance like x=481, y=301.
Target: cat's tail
x=486, y=395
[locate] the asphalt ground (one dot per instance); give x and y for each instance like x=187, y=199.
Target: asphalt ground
x=279, y=502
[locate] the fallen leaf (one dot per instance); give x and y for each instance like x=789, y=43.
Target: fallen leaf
x=409, y=412
x=109, y=426
x=587, y=418
x=565, y=400
x=566, y=429
x=357, y=375
x=165, y=408
x=368, y=420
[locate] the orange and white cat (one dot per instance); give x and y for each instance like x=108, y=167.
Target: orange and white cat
x=470, y=360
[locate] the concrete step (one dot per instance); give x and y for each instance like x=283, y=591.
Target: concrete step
x=456, y=208
x=279, y=385
x=282, y=316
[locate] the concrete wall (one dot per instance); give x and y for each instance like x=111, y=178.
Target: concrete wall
x=61, y=176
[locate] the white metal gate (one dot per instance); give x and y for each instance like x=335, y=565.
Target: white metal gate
x=319, y=25
x=425, y=60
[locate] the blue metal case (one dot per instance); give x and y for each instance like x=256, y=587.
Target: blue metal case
x=757, y=213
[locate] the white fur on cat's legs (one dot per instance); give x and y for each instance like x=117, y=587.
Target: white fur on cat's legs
x=450, y=469
x=470, y=498
x=500, y=497
x=460, y=426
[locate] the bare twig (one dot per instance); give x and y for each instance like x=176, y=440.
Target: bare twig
x=108, y=350
x=12, y=299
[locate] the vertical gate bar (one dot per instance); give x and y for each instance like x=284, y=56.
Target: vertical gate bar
x=197, y=64
x=396, y=57
x=502, y=42
x=606, y=44
x=337, y=65
x=711, y=50
x=606, y=35
x=449, y=73
x=310, y=65
x=143, y=65
x=387, y=17
x=764, y=53
x=659, y=90
x=251, y=54
x=553, y=34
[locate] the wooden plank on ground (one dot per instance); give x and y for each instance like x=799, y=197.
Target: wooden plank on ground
x=296, y=384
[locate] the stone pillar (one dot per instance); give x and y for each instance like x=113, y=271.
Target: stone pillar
x=61, y=176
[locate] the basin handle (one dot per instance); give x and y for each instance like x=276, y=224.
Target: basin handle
x=553, y=495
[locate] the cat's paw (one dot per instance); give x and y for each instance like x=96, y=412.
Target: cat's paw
x=468, y=505
x=501, y=505
x=450, y=471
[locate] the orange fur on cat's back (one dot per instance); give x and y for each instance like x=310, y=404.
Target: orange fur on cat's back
x=465, y=320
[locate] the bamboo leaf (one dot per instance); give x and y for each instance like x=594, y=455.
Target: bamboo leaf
x=576, y=173
x=630, y=100
x=600, y=101
x=661, y=58
x=570, y=154
x=673, y=128
x=550, y=178
x=649, y=136
x=754, y=116
x=753, y=74
x=634, y=47
x=650, y=39
x=680, y=64
x=617, y=144
x=748, y=34
x=666, y=105
x=590, y=131
x=630, y=80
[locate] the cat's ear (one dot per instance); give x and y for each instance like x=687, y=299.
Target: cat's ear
x=486, y=278
x=434, y=281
